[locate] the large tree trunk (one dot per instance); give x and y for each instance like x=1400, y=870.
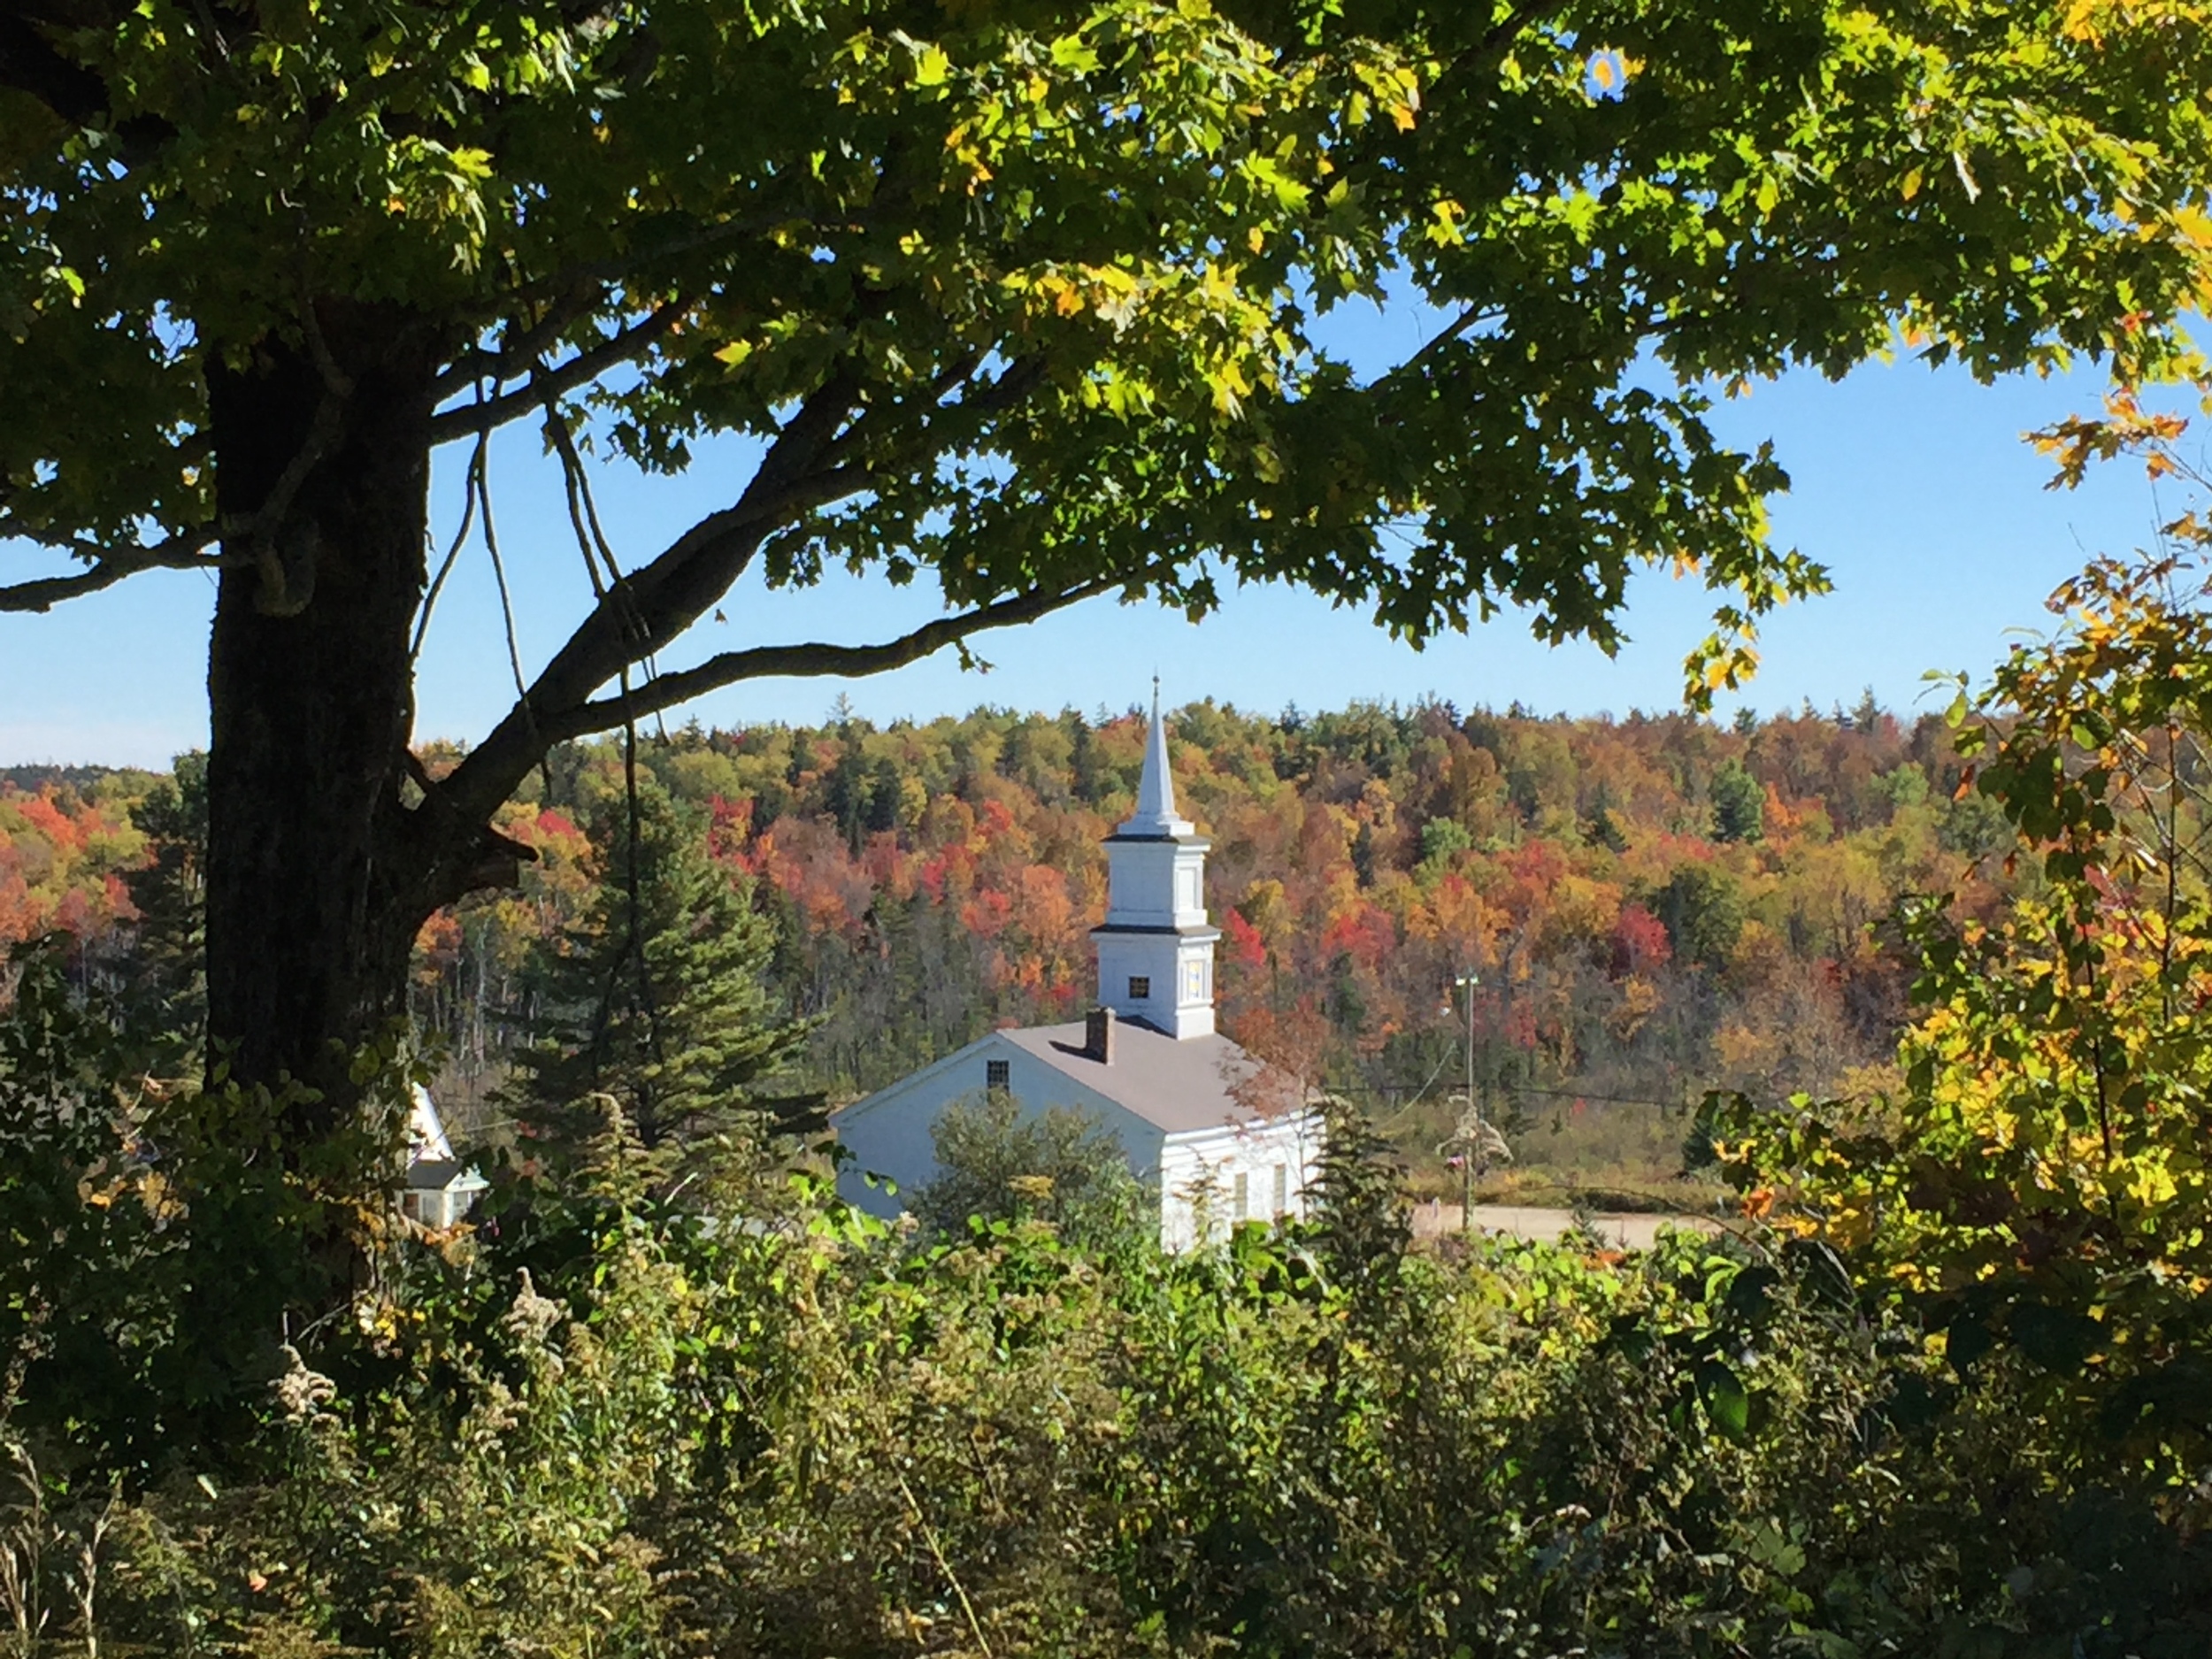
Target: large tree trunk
x=315, y=888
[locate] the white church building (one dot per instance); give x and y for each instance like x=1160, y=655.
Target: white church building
x=1147, y=1063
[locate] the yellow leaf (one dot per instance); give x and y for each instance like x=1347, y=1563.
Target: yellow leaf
x=2195, y=228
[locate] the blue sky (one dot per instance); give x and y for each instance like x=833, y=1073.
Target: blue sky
x=1912, y=485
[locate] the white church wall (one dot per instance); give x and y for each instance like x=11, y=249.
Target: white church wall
x=1157, y=883
x=1175, y=974
x=889, y=1134
x=1270, y=1166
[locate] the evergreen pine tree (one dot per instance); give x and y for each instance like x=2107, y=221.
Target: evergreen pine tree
x=886, y=786
x=1086, y=773
x=1740, y=803
x=660, y=1000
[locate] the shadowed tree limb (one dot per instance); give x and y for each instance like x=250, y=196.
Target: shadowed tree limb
x=644, y=610
x=584, y=366
x=110, y=565
x=652, y=606
x=491, y=772
x=501, y=364
x=812, y=660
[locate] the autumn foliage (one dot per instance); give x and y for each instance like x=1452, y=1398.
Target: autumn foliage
x=930, y=880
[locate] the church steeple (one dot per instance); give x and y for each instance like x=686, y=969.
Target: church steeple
x=1156, y=949
x=1156, y=812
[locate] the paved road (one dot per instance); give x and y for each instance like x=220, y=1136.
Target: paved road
x=1526, y=1221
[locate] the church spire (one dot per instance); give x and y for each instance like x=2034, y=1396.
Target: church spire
x=1156, y=947
x=1156, y=813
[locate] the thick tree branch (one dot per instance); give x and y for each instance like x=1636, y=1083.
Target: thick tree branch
x=1482, y=55
x=110, y=565
x=1469, y=317
x=1014, y=383
x=648, y=608
x=813, y=660
x=519, y=353
x=821, y=454
x=586, y=365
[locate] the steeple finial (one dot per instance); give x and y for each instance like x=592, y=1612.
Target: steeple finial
x=1156, y=811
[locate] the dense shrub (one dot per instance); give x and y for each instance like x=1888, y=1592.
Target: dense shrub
x=606, y=1427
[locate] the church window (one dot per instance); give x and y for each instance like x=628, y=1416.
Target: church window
x=1243, y=1194
x=1282, y=1189
x=996, y=1076
x=1139, y=988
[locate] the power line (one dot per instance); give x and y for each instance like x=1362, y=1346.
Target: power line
x=1615, y=1100
x=1516, y=1088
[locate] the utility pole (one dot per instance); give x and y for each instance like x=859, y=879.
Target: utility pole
x=1472, y=1141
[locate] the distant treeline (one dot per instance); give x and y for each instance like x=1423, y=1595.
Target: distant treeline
x=1654, y=905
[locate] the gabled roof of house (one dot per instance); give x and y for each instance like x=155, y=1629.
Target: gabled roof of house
x=437, y=1175
x=426, y=1130
x=432, y=1163
x=1178, y=1086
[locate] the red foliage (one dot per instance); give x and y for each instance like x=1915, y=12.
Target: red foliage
x=729, y=827
x=53, y=823
x=1247, y=949
x=74, y=914
x=19, y=913
x=1365, y=934
x=986, y=914
x=1640, y=942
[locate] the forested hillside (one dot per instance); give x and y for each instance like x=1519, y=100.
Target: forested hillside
x=1656, y=906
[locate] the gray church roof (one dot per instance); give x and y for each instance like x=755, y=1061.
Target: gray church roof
x=1175, y=1086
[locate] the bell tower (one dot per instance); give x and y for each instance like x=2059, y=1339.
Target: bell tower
x=1156, y=949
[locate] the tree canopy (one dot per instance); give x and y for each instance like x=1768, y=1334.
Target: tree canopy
x=1023, y=296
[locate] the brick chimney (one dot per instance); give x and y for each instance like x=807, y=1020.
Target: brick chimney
x=1098, y=1035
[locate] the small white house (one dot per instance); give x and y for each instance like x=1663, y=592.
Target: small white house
x=1149, y=1066
x=439, y=1190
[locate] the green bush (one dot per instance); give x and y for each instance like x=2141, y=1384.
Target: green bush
x=607, y=1426
x=996, y=1162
